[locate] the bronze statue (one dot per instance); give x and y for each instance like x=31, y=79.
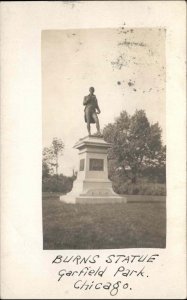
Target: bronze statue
x=91, y=110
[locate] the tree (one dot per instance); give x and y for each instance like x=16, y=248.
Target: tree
x=57, y=148
x=136, y=145
x=47, y=162
x=45, y=170
x=51, y=155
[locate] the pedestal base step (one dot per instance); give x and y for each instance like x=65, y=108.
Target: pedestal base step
x=92, y=199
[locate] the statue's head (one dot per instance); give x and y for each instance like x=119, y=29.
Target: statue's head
x=91, y=89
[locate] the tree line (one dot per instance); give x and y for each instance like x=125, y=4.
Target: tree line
x=52, y=181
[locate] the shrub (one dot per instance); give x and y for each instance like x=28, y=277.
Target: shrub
x=55, y=183
x=141, y=188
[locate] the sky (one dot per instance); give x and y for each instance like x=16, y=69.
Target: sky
x=126, y=66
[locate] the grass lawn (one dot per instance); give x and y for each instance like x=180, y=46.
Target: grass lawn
x=103, y=226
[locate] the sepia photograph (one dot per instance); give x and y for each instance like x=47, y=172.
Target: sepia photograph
x=104, y=138
x=93, y=152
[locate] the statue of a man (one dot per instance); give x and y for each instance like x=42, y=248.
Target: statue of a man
x=91, y=110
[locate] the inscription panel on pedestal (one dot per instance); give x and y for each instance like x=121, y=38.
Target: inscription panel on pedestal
x=96, y=164
x=81, y=168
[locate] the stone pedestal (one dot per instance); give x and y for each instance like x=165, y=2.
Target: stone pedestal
x=92, y=184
